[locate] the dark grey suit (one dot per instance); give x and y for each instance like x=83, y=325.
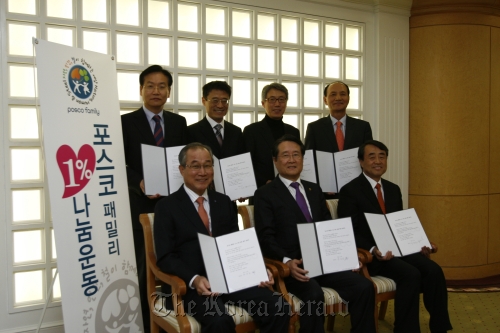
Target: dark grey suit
x=178, y=252
x=276, y=217
x=321, y=136
x=136, y=130
x=259, y=142
x=412, y=274
x=232, y=144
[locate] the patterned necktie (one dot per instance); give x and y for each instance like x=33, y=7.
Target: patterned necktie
x=340, y=136
x=380, y=198
x=158, y=131
x=203, y=213
x=301, y=201
x=218, y=134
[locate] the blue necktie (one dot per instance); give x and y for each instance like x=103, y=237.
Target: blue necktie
x=301, y=201
x=158, y=131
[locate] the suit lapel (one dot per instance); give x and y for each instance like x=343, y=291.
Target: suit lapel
x=392, y=202
x=284, y=194
x=187, y=207
x=143, y=127
x=209, y=134
x=329, y=133
x=350, y=133
x=215, y=214
x=313, y=202
x=369, y=193
x=228, y=134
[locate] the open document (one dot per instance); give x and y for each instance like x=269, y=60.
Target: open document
x=331, y=171
x=234, y=261
x=161, y=169
x=234, y=176
x=328, y=246
x=400, y=232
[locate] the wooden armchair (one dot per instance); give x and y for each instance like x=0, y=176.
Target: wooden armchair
x=177, y=320
x=333, y=302
x=385, y=288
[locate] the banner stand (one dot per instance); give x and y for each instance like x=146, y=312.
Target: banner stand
x=49, y=297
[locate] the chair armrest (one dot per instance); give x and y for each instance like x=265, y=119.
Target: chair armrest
x=283, y=269
x=273, y=269
x=178, y=285
x=434, y=247
x=364, y=256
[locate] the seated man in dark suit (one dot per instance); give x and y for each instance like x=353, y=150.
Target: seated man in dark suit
x=224, y=138
x=338, y=131
x=279, y=207
x=178, y=219
x=153, y=126
x=369, y=193
x=260, y=136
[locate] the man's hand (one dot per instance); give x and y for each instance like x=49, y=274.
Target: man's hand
x=270, y=283
x=378, y=254
x=202, y=286
x=296, y=272
x=426, y=251
x=268, y=181
x=156, y=196
x=240, y=199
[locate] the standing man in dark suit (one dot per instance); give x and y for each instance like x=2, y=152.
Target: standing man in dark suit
x=260, y=136
x=369, y=193
x=279, y=207
x=224, y=138
x=178, y=219
x=338, y=131
x=153, y=126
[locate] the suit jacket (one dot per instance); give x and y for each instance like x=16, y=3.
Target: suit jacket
x=176, y=228
x=232, y=144
x=277, y=215
x=136, y=130
x=321, y=136
x=358, y=197
x=259, y=142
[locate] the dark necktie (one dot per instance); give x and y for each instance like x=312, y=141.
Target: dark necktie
x=203, y=214
x=158, y=131
x=380, y=198
x=340, y=136
x=301, y=201
x=218, y=134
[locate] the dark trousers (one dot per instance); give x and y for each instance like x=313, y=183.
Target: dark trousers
x=414, y=274
x=354, y=289
x=269, y=310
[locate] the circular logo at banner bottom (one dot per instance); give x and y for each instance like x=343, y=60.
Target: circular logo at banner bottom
x=119, y=309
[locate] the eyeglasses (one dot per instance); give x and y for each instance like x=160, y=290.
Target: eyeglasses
x=152, y=87
x=198, y=167
x=273, y=100
x=215, y=101
x=294, y=156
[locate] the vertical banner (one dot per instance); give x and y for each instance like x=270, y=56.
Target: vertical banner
x=85, y=166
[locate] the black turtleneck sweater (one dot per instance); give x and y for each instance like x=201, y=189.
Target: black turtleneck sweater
x=277, y=127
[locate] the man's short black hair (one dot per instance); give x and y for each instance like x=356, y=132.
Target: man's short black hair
x=274, y=85
x=326, y=87
x=216, y=85
x=193, y=146
x=287, y=137
x=156, y=69
x=378, y=144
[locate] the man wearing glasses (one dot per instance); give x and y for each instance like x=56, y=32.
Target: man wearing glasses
x=153, y=126
x=260, y=136
x=179, y=218
x=224, y=138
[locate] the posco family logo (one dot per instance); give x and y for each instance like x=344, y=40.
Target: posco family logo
x=79, y=81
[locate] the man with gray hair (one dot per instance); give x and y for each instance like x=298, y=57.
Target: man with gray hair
x=179, y=218
x=260, y=136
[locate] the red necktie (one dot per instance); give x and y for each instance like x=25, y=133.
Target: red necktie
x=203, y=213
x=340, y=136
x=380, y=198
